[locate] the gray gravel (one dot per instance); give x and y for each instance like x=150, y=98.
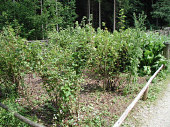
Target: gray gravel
x=151, y=115
x=159, y=114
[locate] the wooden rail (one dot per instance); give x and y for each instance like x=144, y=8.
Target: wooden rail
x=143, y=91
x=30, y=41
x=165, y=31
x=22, y=118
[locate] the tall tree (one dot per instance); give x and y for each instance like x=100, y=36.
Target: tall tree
x=89, y=9
x=42, y=26
x=114, y=22
x=57, y=27
x=100, y=13
x=36, y=17
x=162, y=11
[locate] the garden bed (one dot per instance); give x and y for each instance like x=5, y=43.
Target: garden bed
x=97, y=106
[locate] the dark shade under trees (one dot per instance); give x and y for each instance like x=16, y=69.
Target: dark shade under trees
x=33, y=19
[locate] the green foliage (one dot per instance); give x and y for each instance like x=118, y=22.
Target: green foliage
x=139, y=22
x=109, y=54
x=78, y=42
x=7, y=119
x=151, y=45
x=68, y=13
x=11, y=58
x=61, y=62
x=34, y=18
x=122, y=19
x=51, y=63
x=162, y=10
x=152, y=53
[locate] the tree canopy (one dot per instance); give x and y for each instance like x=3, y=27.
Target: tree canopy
x=162, y=10
x=34, y=18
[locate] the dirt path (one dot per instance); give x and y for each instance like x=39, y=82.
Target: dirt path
x=158, y=115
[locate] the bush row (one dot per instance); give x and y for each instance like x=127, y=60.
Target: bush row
x=132, y=50
x=60, y=62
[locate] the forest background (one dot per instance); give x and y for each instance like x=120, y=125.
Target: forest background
x=34, y=18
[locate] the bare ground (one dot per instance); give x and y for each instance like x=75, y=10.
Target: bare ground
x=94, y=103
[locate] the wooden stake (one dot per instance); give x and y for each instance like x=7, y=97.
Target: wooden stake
x=145, y=95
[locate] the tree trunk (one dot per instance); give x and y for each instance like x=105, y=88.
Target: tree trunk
x=89, y=10
x=57, y=15
x=157, y=23
x=42, y=26
x=14, y=8
x=100, y=13
x=114, y=22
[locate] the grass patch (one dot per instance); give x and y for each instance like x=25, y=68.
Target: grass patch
x=7, y=119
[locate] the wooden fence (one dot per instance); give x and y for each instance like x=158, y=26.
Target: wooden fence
x=143, y=92
x=165, y=31
x=30, y=41
x=20, y=117
x=167, y=50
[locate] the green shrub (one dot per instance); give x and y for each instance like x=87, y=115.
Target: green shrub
x=111, y=53
x=152, y=47
x=61, y=62
x=51, y=63
x=7, y=119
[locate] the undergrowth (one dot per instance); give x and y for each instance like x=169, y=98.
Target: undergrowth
x=61, y=63
x=7, y=119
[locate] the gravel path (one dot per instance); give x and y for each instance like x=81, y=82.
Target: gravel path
x=158, y=115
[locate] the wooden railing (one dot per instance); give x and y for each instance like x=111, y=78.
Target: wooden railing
x=20, y=117
x=30, y=41
x=165, y=31
x=143, y=92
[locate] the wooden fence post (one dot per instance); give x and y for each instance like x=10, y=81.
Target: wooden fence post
x=145, y=95
x=166, y=50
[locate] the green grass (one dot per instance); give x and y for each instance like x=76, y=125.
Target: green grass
x=159, y=84
x=7, y=119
